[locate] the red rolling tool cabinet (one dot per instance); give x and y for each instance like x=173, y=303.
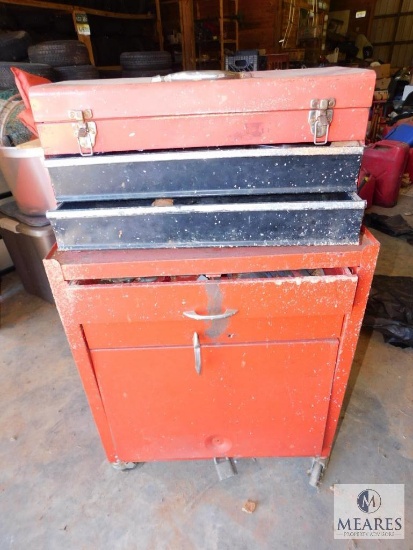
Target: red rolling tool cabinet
x=194, y=336
x=218, y=352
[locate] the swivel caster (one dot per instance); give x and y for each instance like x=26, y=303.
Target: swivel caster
x=316, y=471
x=123, y=466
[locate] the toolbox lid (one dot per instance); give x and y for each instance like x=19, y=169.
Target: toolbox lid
x=321, y=105
x=258, y=91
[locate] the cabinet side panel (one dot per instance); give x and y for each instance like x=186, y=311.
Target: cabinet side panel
x=81, y=355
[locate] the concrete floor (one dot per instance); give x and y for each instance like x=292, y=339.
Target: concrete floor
x=58, y=492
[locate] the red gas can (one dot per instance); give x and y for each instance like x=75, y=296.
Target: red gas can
x=365, y=187
x=409, y=167
x=386, y=161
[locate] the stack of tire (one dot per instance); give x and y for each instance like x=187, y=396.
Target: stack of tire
x=69, y=59
x=13, y=53
x=13, y=45
x=141, y=64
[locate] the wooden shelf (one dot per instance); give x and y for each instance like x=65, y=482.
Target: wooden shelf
x=227, y=24
x=72, y=8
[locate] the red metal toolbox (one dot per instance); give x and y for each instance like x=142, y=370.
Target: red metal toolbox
x=203, y=353
x=266, y=107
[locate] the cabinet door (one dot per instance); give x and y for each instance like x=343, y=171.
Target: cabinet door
x=249, y=400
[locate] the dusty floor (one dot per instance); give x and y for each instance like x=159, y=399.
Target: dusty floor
x=58, y=492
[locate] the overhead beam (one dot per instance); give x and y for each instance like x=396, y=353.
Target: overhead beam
x=73, y=8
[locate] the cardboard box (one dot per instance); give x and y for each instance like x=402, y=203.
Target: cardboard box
x=382, y=83
x=382, y=71
x=381, y=95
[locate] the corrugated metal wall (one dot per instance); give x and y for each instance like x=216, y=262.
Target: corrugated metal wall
x=392, y=32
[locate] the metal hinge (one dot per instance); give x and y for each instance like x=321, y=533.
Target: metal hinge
x=85, y=131
x=320, y=118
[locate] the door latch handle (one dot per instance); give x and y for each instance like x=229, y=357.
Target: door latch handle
x=214, y=317
x=197, y=353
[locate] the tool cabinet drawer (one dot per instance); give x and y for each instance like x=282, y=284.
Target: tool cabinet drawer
x=192, y=222
x=207, y=172
x=260, y=400
x=229, y=310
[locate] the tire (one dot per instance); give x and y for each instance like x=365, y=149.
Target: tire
x=7, y=77
x=145, y=60
x=131, y=73
x=60, y=53
x=14, y=45
x=77, y=72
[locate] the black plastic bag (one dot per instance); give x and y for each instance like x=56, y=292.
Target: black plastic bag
x=390, y=309
x=396, y=226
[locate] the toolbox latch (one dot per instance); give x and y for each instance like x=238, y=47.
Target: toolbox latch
x=320, y=118
x=85, y=131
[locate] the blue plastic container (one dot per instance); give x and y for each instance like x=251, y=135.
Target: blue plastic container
x=404, y=133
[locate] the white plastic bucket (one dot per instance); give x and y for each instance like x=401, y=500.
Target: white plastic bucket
x=28, y=179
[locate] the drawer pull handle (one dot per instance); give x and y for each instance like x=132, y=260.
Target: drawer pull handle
x=197, y=353
x=213, y=317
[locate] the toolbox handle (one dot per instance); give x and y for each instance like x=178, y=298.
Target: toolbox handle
x=214, y=317
x=185, y=76
x=197, y=353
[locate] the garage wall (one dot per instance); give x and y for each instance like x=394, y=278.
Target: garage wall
x=392, y=32
x=356, y=25
x=260, y=24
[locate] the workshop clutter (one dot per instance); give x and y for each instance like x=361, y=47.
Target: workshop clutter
x=25, y=232
x=387, y=163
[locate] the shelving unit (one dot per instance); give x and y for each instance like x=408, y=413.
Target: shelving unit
x=228, y=27
x=80, y=19
x=304, y=26
x=217, y=32
x=178, y=29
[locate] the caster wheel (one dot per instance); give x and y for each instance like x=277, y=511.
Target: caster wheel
x=123, y=466
x=316, y=471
